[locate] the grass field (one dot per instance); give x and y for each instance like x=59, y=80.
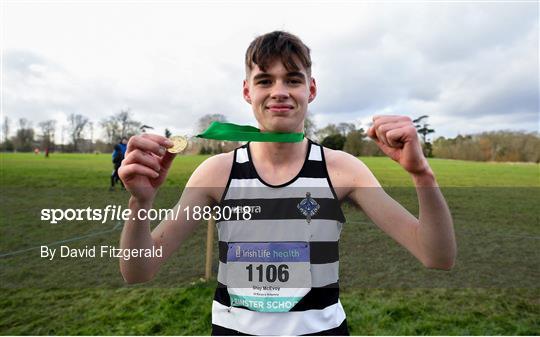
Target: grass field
x=493, y=289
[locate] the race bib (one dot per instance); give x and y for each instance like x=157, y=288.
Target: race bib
x=268, y=276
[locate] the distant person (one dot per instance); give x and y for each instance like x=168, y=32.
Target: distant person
x=118, y=155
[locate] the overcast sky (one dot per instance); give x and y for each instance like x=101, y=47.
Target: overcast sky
x=471, y=67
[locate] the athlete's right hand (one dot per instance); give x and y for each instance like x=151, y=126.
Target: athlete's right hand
x=145, y=165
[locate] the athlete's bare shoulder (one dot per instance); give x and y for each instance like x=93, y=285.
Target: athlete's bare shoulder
x=213, y=174
x=347, y=172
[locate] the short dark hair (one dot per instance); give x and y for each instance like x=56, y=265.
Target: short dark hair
x=278, y=45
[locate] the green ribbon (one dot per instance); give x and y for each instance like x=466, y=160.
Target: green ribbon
x=229, y=131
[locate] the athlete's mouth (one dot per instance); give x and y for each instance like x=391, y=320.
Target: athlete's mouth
x=279, y=107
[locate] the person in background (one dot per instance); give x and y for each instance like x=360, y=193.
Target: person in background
x=118, y=155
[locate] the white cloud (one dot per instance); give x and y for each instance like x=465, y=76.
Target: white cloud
x=463, y=64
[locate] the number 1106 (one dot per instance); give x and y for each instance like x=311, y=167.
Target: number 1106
x=269, y=274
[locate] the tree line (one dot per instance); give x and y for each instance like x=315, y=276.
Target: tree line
x=490, y=146
x=78, y=136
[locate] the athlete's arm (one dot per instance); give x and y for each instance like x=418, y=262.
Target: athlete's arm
x=138, y=172
x=204, y=188
x=430, y=238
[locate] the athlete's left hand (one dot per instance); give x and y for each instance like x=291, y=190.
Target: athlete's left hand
x=396, y=136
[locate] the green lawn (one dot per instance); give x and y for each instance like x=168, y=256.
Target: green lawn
x=493, y=289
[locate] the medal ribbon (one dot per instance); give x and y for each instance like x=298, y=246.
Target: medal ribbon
x=230, y=131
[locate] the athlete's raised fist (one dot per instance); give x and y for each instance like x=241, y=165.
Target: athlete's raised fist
x=396, y=136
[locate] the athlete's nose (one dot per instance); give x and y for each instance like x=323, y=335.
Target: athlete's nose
x=279, y=91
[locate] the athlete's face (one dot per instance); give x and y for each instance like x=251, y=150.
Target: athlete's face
x=279, y=98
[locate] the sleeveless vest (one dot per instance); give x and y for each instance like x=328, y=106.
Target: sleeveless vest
x=278, y=252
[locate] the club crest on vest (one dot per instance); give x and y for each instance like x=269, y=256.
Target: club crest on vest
x=308, y=207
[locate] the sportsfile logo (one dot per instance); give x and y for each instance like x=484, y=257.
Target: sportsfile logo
x=119, y=213
x=109, y=213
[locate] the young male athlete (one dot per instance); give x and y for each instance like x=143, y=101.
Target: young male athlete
x=278, y=269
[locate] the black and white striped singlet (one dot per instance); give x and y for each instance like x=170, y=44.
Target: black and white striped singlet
x=279, y=245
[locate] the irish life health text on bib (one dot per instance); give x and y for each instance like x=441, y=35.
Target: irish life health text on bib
x=268, y=276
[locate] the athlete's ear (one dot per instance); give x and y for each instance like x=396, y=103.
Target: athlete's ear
x=245, y=92
x=312, y=90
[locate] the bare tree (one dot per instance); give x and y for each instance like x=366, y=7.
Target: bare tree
x=5, y=129
x=91, y=126
x=128, y=126
x=120, y=125
x=77, y=123
x=48, y=128
x=205, y=121
x=503, y=145
x=24, y=138
x=209, y=145
x=24, y=123
x=330, y=129
x=345, y=128
x=112, y=129
x=7, y=144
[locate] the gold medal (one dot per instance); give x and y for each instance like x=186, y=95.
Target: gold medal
x=180, y=143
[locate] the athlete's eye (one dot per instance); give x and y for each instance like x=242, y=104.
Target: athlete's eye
x=295, y=81
x=263, y=82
